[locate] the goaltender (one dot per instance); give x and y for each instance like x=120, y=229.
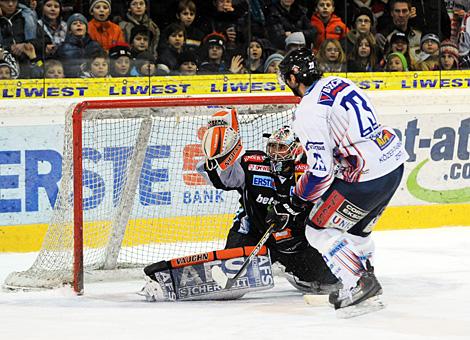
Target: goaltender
x=264, y=179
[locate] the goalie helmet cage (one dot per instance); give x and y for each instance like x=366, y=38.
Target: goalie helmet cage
x=130, y=194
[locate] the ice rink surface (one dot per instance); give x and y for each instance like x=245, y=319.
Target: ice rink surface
x=425, y=275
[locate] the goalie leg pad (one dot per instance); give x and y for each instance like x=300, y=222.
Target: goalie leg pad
x=190, y=278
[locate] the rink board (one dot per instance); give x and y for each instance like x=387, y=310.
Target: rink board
x=434, y=126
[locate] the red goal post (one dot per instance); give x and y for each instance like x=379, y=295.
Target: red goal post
x=145, y=150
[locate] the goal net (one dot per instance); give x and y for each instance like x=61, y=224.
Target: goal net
x=130, y=194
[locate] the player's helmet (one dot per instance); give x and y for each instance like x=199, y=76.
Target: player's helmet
x=283, y=147
x=302, y=64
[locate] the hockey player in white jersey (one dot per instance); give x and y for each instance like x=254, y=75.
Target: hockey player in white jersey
x=355, y=166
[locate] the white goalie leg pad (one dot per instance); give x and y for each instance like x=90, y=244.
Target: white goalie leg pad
x=345, y=254
x=154, y=291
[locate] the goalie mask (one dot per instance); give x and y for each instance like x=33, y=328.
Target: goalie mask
x=283, y=148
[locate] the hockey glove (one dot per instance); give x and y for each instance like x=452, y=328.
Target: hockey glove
x=281, y=215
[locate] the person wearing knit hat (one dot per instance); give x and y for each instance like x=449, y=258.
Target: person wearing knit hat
x=77, y=17
x=271, y=65
x=214, y=39
x=95, y=2
x=364, y=20
x=295, y=41
x=100, y=28
x=8, y=65
x=449, y=56
x=187, y=63
x=429, y=43
x=120, y=60
x=396, y=62
x=428, y=58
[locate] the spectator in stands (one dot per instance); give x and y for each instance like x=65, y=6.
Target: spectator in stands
x=449, y=59
x=187, y=63
x=430, y=16
x=172, y=45
x=146, y=66
x=222, y=15
x=363, y=57
x=137, y=16
x=120, y=61
x=461, y=30
x=399, y=43
x=255, y=56
x=271, y=65
x=140, y=40
x=396, y=62
x=400, y=11
x=100, y=28
x=33, y=67
x=8, y=65
x=327, y=24
x=212, y=57
x=18, y=26
x=53, y=69
x=52, y=25
x=186, y=13
x=97, y=66
x=286, y=17
x=77, y=46
x=363, y=23
x=428, y=58
x=349, y=10
x=295, y=41
x=331, y=57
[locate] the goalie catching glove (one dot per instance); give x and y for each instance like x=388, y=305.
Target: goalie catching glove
x=221, y=143
x=283, y=214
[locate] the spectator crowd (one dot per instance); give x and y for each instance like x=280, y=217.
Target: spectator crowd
x=104, y=38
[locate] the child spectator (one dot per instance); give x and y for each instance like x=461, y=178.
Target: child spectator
x=186, y=13
x=286, y=17
x=363, y=57
x=428, y=59
x=295, y=41
x=271, y=65
x=187, y=63
x=52, y=25
x=97, y=66
x=331, y=57
x=396, y=62
x=362, y=24
x=145, y=66
x=137, y=16
x=120, y=61
x=449, y=59
x=9, y=65
x=327, y=24
x=140, y=40
x=173, y=40
x=102, y=30
x=18, y=26
x=255, y=56
x=53, y=69
x=399, y=43
x=77, y=46
x=212, y=56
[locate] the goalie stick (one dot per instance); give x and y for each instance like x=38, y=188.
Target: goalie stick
x=223, y=280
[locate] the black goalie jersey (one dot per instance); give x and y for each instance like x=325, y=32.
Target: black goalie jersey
x=259, y=187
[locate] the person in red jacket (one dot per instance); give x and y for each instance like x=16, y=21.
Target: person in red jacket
x=102, y=30
x=327, y=24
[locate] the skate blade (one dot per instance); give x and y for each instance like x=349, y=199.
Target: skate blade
x=370, y=305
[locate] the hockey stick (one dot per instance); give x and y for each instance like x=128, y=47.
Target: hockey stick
x=223, y=280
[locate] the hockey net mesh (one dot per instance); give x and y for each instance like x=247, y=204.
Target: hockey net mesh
x=143, y=200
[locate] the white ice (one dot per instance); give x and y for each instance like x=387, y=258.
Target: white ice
x=425, y=275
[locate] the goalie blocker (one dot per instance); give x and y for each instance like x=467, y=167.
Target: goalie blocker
x=190, y=277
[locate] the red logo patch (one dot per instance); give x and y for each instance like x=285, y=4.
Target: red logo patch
x=327, y=209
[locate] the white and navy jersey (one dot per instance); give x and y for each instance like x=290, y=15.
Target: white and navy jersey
x=339, y=130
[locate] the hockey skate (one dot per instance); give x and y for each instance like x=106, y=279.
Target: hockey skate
x=362, y=299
